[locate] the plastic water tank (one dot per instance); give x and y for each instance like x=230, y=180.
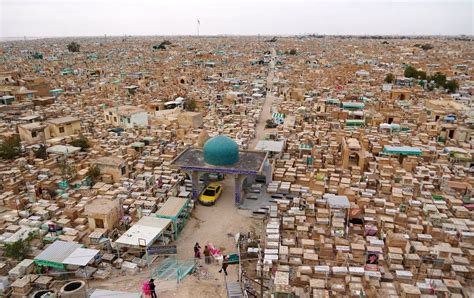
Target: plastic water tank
x=74, y=289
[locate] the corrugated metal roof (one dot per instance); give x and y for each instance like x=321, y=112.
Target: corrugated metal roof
x=147, y=229
x=81, y=256
x=58, y=251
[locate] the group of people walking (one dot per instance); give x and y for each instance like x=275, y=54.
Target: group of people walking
x=208, y=257
x=206, y=252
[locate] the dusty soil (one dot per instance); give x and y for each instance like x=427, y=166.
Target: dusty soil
x=266, y=111
x=216, y=224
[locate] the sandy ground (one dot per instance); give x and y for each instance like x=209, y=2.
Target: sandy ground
x=266, y=110
x=216, y=224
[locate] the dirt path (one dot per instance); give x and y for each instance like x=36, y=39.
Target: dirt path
x=216, y=224
x=267, y=105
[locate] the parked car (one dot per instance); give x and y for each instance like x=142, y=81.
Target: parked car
x=211, y=193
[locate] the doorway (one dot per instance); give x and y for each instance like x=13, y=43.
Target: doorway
x=99, y=223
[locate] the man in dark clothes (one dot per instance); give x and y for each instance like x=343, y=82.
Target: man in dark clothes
x=207, y=255
x=152, y=288
x=225, y=264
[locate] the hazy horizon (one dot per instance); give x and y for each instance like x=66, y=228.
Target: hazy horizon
x=89, y=18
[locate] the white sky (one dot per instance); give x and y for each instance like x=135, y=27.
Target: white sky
x=38, y=18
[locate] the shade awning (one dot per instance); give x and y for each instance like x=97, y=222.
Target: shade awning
x=355, y=122
x=404, y=150
x=278, y=115
x=353, y=105
x=81, y=256
x=144, y=232
x=172, y=207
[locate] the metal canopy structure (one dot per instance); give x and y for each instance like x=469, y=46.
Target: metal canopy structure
x=176, y=209
x=403, y=150
x=248, y=163
x=62, y=253
x=145, y=232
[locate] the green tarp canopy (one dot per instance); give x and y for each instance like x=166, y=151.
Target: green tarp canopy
x=353, y=105
x=278, y=115
x=363, y=98
x=355, y=122
x=333, y=101
x=50, y=264
x=404, y=150
x=66, y=71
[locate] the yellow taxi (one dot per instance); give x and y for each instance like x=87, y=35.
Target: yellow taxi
x=211, y=193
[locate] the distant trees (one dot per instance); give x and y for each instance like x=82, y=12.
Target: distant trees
x=81, y=142
x=67, y=170
x=439, y=79
x=37, y=55
x=73, y=47
x=190, y=105
x=452, y=86
x=41, y=152
x=10, y=147
x=424, y=47
x=163, y=45
x=389, y=78
x=411, y=72
x=19, y=249
x=93, y=172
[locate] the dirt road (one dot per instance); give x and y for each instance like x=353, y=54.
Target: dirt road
x=267, y=105
x=215, y=224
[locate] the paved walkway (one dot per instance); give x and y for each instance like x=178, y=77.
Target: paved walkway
x=267, y=105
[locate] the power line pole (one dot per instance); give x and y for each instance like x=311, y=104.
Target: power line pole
x=260, y=265
x=198, y=24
